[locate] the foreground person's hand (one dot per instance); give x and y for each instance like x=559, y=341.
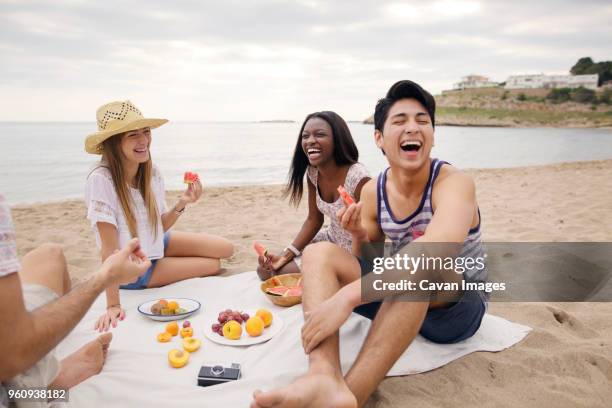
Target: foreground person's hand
x=110, y=318
x=324, y=320
x=126, y=265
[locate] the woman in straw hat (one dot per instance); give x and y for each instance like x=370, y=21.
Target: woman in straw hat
x=125, y=198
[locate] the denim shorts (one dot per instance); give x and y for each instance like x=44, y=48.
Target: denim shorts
x=445, y=325
x=143, y=280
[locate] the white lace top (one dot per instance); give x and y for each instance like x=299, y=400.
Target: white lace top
x=103, y=205
x=334, y=232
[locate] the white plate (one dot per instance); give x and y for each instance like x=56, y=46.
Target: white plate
x=245, y=340
x=190, y=305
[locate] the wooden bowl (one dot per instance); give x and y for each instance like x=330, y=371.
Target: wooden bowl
x=290, y=279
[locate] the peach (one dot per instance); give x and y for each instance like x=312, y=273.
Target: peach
x=156, y=309
x=178, y=358
x=163, y=302
x=186, y=332
x=255, y=326
x=164, y=337
x=190, y=344
x=266, y=316
x=232, y=330
x=172, y=305
x=172, y=328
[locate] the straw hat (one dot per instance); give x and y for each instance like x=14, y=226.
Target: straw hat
x=114, y=118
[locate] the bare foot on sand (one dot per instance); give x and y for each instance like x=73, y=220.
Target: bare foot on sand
x=83, y=363
x=310, y=390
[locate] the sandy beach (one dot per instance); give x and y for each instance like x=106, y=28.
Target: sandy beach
x=565, y=362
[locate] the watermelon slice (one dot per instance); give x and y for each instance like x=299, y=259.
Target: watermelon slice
x=348, y=200
x=293, y=291
x=417, y=233
x=278, y=290
x=190, y=177
x=261, y=251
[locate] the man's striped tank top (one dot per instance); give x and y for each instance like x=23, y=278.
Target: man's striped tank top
x=402, y=232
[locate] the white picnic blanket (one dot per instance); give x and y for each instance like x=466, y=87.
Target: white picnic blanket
x=137, y=372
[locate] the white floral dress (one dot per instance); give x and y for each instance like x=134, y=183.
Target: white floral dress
x=334, y=232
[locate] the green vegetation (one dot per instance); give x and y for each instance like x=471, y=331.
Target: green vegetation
x=559, y=95
x=522, y=117
x=583, y=95
x=580, y=95
x=522, y=97
x=578, y=107
x=586, y=66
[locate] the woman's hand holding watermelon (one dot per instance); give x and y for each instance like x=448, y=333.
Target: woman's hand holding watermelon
x=194, y=188
x=270, y=264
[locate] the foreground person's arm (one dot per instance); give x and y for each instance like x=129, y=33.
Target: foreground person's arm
x=110, y=243
x=27, y=336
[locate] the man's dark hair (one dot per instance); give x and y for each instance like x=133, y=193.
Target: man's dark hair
x=402, y=90
x=345, y=152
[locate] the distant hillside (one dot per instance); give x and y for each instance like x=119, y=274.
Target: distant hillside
x=517, y=108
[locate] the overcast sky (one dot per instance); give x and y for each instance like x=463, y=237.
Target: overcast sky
x=273, y=59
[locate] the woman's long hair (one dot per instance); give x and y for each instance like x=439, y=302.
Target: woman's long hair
x=112, y=158
x=345, y=152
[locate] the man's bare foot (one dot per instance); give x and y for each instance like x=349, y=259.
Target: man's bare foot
x=83, y=363
x=311, y=390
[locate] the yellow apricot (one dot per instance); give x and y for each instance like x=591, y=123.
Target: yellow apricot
x=172, y=328
x=266, y=316
x=178, y=358
x=255, y=326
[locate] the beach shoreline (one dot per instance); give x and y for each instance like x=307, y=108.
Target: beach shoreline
x=566, y=361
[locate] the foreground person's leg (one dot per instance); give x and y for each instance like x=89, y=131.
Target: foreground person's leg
x=46, y=266
x=395, y=326
x=83, y=363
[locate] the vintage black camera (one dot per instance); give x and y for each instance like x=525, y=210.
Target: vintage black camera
x=218, y=374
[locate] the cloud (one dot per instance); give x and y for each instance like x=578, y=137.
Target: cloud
x=237, y=60
x=426, y=13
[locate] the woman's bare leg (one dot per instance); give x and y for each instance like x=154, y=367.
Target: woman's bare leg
x=174, y=269
x=194, y=244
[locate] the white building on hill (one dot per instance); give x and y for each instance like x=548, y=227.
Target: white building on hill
x=474, y=81
x=551, y=81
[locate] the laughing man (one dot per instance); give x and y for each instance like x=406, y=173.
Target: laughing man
x=416, y=200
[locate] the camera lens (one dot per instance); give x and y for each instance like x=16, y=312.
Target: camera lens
x=217, y=370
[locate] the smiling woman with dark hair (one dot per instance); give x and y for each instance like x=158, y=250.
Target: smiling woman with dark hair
x=326, y=152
